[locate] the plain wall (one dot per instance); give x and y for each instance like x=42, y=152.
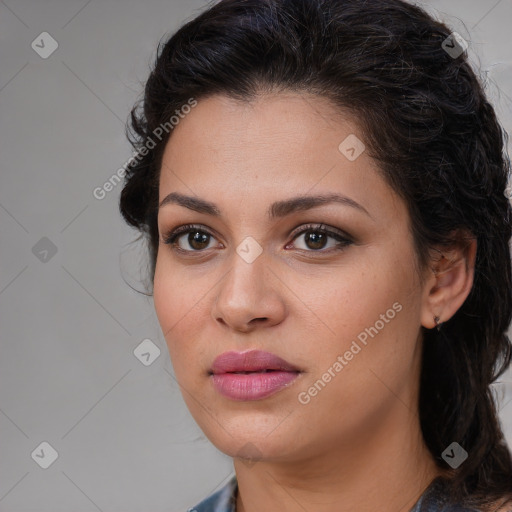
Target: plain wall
x=70, y=321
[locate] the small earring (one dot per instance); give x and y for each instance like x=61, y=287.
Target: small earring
x=438, y=324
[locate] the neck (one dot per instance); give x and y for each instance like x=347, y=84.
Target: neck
x=386, y=470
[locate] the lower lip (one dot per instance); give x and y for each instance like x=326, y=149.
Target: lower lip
x=252, y=386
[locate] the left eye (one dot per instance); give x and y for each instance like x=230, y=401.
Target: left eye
x=316, y=238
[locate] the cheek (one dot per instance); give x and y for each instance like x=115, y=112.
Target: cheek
x=171, y=304
x=179, y=301
x=348, y=302
x=370, y=313
x=164, y=299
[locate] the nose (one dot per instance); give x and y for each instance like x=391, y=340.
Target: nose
x=249, y=295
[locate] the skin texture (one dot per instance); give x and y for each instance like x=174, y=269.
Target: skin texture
x=356, y=445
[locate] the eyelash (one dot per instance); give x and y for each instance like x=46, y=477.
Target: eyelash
x=343, y=240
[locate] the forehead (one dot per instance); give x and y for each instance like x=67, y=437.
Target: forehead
x=243, y=136
x=275, y=146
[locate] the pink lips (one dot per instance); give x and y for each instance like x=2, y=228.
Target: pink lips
x=251, y=375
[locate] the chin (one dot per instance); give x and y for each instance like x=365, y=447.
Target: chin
x=251, y=439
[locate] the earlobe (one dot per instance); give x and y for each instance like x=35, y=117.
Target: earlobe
x=449, y=284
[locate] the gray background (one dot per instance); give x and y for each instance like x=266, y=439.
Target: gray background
x=70, y=321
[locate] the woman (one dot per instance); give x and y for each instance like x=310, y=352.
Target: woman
x=322, y=188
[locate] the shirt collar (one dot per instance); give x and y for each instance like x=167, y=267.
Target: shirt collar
x=434, y=499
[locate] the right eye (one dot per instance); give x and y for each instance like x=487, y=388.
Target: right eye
x=197, y=238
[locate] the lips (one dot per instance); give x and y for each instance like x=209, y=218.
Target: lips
x=252, y=375
x=250, y=361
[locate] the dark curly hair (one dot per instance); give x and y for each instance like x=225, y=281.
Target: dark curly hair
x=425, y=120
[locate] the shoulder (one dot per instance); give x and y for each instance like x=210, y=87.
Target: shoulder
x=436, y=498
x=223, y=500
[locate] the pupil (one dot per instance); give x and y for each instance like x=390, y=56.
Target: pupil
x=198, y=238
x=316, y=238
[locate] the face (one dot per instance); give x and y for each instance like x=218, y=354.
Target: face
x=342, y=306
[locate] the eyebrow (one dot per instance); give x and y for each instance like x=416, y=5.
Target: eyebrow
x=276, y=210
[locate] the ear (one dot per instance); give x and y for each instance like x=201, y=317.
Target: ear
x=449, y=280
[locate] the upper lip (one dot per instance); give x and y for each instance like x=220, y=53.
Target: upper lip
x=250, y=361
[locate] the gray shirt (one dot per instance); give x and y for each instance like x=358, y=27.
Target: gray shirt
x=434, y=499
